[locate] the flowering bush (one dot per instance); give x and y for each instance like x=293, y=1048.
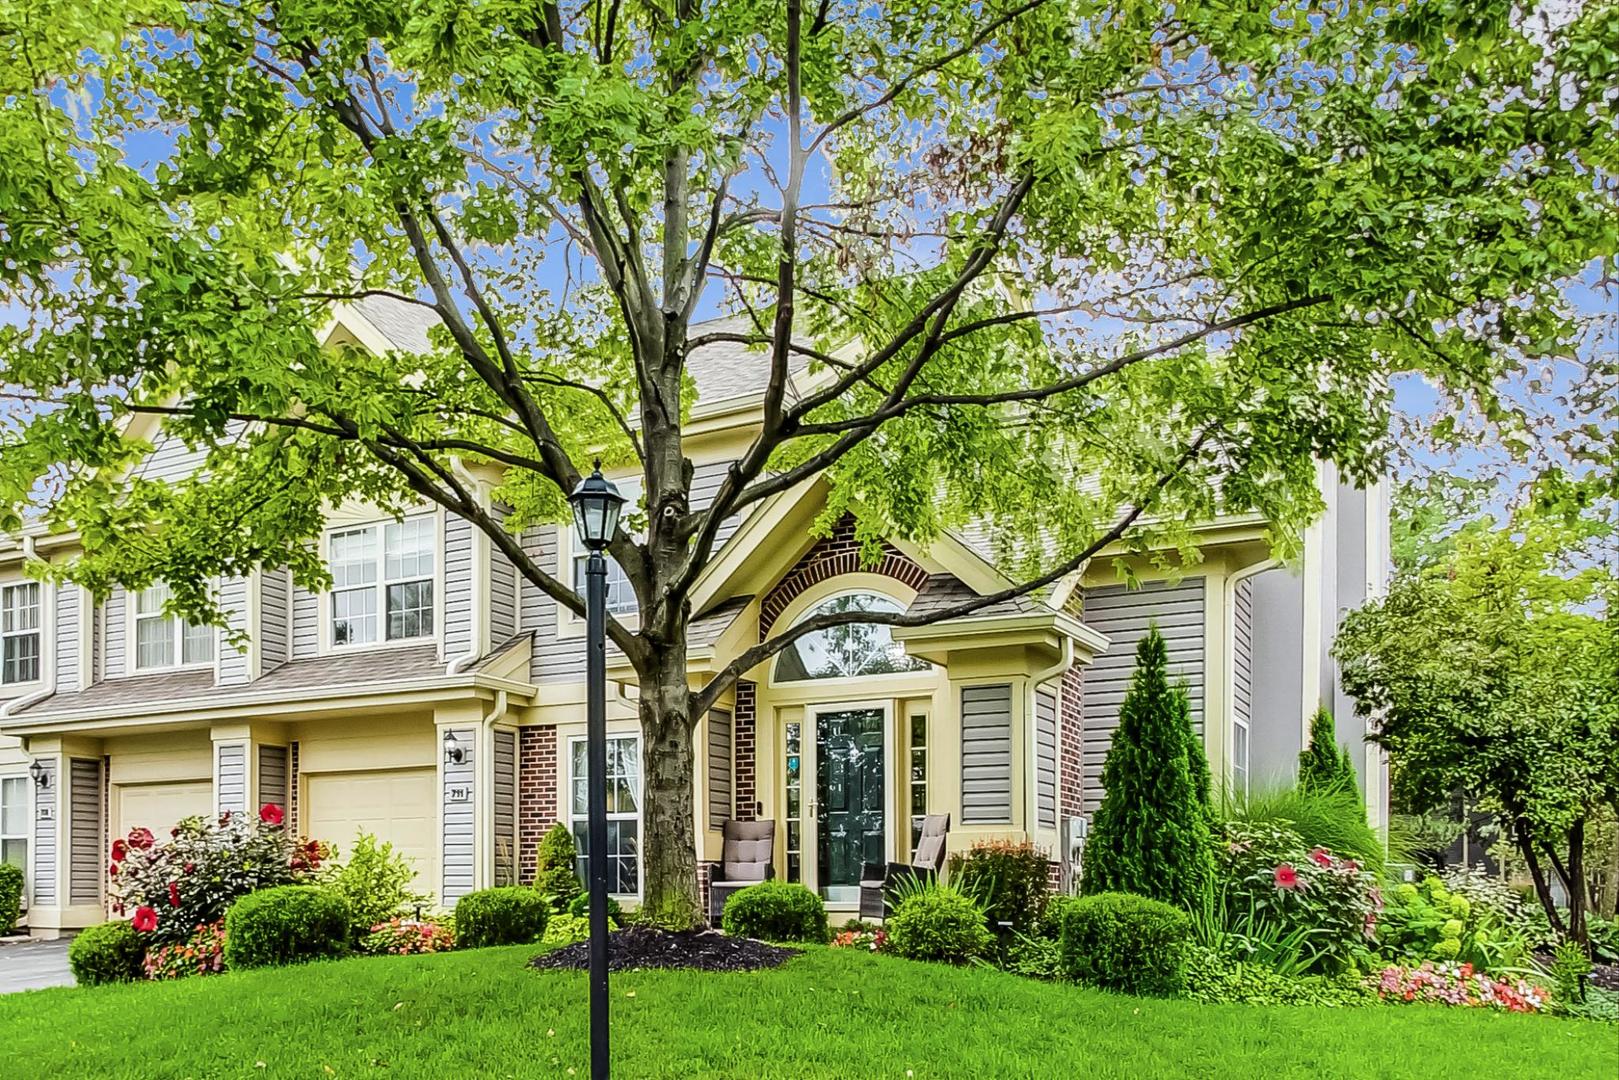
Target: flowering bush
x=1427, y=921
x=1009, y=879
x=860, y=935
x=203, y=953
x=1462, y=985
x=403, y=937
x=170, y=888
x=1265, y=876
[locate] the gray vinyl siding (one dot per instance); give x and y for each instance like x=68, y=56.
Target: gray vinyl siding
x=505, y=808
x=554, y=659
x=1242, y=652
x=230, y=783
x=84, y=826
x=42, y=852
x=275, y=587
x=719, y=767
x=68, y=625
x=1045, y=758
x=305, y=623
x=705, y=484
x=986, y=754
x=98, y=629
x=502, y=588
x=273, y=775
x=457, y=606
x=1123, y=614
x=233, y=668
x=116, y=637
x=170, y=460
x=458, y=820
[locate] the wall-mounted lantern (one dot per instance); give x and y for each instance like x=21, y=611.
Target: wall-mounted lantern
x=41, y=778
x=454, y=752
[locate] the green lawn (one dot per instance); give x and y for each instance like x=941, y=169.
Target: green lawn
x=831, y=1013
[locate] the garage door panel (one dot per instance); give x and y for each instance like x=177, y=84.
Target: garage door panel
x=159, y=806
x=396, y=806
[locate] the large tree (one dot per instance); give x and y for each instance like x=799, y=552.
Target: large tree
x=1176, y=250
x=1491, y=668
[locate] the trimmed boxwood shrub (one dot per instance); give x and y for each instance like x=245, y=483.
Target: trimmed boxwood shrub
x=509, y=915
x=287, y=924
x=11, y=880
x=1120, y=941
x=938, y=923
x=775, y=911
x=111, y=952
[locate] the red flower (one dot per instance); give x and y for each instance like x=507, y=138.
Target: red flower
x=141, y=839
x=270, y=814
x=145, y=919
x=174, y=833
x=112, y=869
x=1287, y=877
x=174, y=894
x=119, y=850
x=1320, y=857
x=190, y=866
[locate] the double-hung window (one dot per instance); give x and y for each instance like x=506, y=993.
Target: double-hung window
x=623, y=811
x=14, y=820
x=382, y=582
x=163, y=640
x=19, y=632
x=620, y=595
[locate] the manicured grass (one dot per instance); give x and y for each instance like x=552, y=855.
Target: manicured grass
x=830, y=1013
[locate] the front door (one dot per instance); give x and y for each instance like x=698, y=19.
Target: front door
x=849, y=798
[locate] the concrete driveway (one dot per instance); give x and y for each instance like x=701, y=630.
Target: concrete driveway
x=33, y=965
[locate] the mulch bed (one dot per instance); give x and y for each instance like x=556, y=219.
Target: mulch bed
x=1605, y=976
x=637, y=948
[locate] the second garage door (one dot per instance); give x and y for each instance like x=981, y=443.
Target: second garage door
x=159, y=806
x=395, y=805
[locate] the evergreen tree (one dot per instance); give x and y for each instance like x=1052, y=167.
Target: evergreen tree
x=1151, y=834
x=1321, y=765
x=1197, y=757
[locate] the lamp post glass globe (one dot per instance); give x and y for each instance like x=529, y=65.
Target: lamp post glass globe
x=596, y=507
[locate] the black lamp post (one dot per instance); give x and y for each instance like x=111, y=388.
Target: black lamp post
x=596, y=506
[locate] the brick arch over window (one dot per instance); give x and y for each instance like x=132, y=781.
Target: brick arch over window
x=831, y=556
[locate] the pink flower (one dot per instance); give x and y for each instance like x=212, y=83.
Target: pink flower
x=271, y=814
x=145, y=919
x=141, y=839
x=1320, y=857
x=1287, y=877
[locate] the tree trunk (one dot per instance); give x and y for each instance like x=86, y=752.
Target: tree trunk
x=1577, y=885
x=668, y=844
x=1526, y=848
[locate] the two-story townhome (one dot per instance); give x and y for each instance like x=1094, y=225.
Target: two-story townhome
x=434, y=698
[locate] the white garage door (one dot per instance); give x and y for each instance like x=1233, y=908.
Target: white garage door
x=159, y=806
x=395, y=805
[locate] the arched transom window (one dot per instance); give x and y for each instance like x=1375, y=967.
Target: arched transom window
x=847, y=651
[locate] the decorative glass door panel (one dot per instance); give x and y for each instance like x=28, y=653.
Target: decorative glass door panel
x=850, y=826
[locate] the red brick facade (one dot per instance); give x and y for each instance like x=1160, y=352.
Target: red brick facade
x=536, y=795
x=1071, y=746
x=834, y=555
x=745, y=728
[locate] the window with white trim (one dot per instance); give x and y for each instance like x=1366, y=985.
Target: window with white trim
x=14, y=820
x=623, y=811
x=620, y=594
x=19, y=632
x=382, y=581
x=919, y=777
x=163, y=640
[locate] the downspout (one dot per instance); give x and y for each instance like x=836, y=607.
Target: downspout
x=484, y=748
x=47, y=651
x=480, y=601
x=1032, y=800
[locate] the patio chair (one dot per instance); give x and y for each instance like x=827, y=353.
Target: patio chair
x=877, y=880
x=746, y=860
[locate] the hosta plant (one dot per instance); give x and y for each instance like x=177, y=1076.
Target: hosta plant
x=169, y=887
x=1427, y=921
